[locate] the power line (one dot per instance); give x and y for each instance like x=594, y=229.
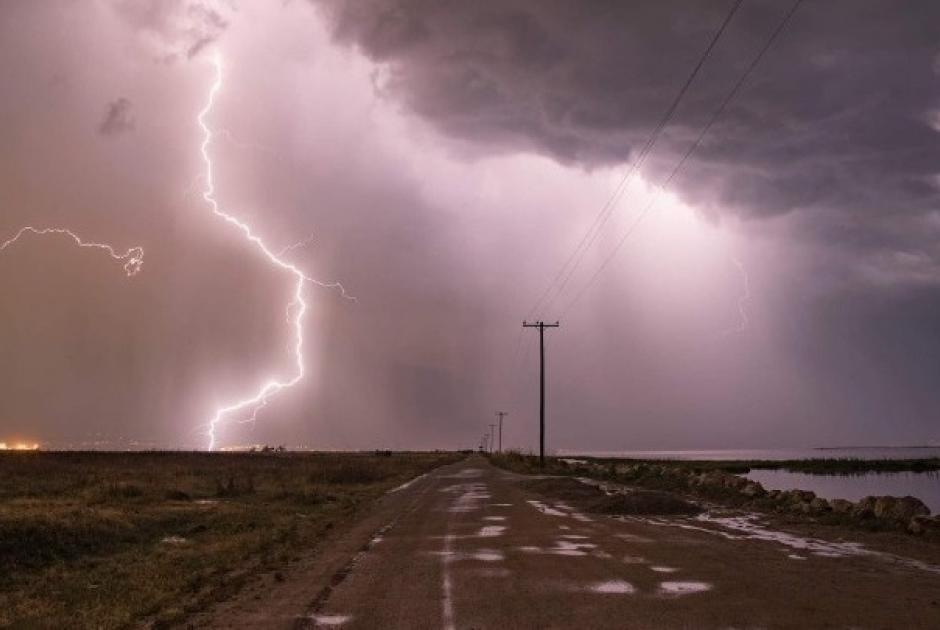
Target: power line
x=692, y=148
x=574, y=260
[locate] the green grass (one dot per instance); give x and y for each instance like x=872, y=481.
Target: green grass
x=107, y=539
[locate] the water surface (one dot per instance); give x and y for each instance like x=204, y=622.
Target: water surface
x=867, y=452
x=925, y=486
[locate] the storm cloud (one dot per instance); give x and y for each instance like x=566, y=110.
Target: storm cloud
x=839, y=121
x=447, y=157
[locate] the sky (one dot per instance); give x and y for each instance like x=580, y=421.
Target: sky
x=443, y=161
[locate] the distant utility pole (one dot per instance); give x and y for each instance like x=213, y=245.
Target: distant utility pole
x=541, y=326
x=492, y=436
x=501, y=415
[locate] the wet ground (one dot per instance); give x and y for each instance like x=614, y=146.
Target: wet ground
x=468, y=546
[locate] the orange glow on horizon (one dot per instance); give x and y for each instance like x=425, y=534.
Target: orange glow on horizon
x=19, y=446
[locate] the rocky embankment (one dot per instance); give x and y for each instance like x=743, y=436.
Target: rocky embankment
x=899, y=513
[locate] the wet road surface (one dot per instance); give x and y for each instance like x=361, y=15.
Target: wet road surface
x=467, y=547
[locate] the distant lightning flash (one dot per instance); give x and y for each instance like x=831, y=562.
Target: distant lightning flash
x=133, y=258
x=743, y=299
x=296, y=308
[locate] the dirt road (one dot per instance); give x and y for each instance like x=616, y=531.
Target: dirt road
x=467, y=547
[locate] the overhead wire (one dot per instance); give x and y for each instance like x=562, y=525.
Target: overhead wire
x=567, y=270
x=692, y=148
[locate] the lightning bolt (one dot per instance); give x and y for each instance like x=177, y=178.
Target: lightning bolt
x=743, y=299
x=133, y=258
x=296, y=308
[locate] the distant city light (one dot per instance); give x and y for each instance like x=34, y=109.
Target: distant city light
x=19, y=446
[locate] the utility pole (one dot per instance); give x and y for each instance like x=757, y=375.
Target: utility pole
x=541, y=326
x=501, y=415
x=492, y=436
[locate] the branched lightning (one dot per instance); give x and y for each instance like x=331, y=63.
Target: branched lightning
x=296, y=308
x=133, y=258
x=297, y=245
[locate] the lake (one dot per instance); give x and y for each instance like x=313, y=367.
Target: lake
x=867, y=452
x=925, y=486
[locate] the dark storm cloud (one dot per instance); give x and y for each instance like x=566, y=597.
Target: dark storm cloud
x=118, y=118
x=178, y=28
x=837, y=117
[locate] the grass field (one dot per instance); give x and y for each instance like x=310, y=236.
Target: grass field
x=106, y=540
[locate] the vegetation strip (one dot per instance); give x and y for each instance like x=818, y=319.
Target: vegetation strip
x=108, y=539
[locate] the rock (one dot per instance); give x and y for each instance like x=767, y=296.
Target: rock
x=714, y=479
x=627, y=470
x=819, y=505
x=899, y=509
x=883, y=507
x=841, y=506
x=753, y=490
x=864, y=508
x=796, y=497
x=799, y=507
x=735, y=483
x=909, y=507
x=922, y=524
x=774, y=495
x=806, y=495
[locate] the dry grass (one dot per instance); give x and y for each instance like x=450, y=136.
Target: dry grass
x=107, y=539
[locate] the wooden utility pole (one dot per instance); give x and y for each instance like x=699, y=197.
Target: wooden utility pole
x=541, y=326
x=501, y=415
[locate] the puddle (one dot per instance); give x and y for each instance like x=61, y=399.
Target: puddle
x=664, y=569
x=494, y=518
x=563, y=527
x=634, y=560
x=544, y=509
x=482, y=555
x=488, y=555
x=794, y=556
x=174, y=540
x=330, y=620
x=574, y=536
x=600, y=553
x=617, y=587
x=567, y=544
x=469, y=499
x=407, y=483
x=500, y=504
x=491, y=573
x=561, y=548
x=683, y=588
x=490, y=531
x=748, y=527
